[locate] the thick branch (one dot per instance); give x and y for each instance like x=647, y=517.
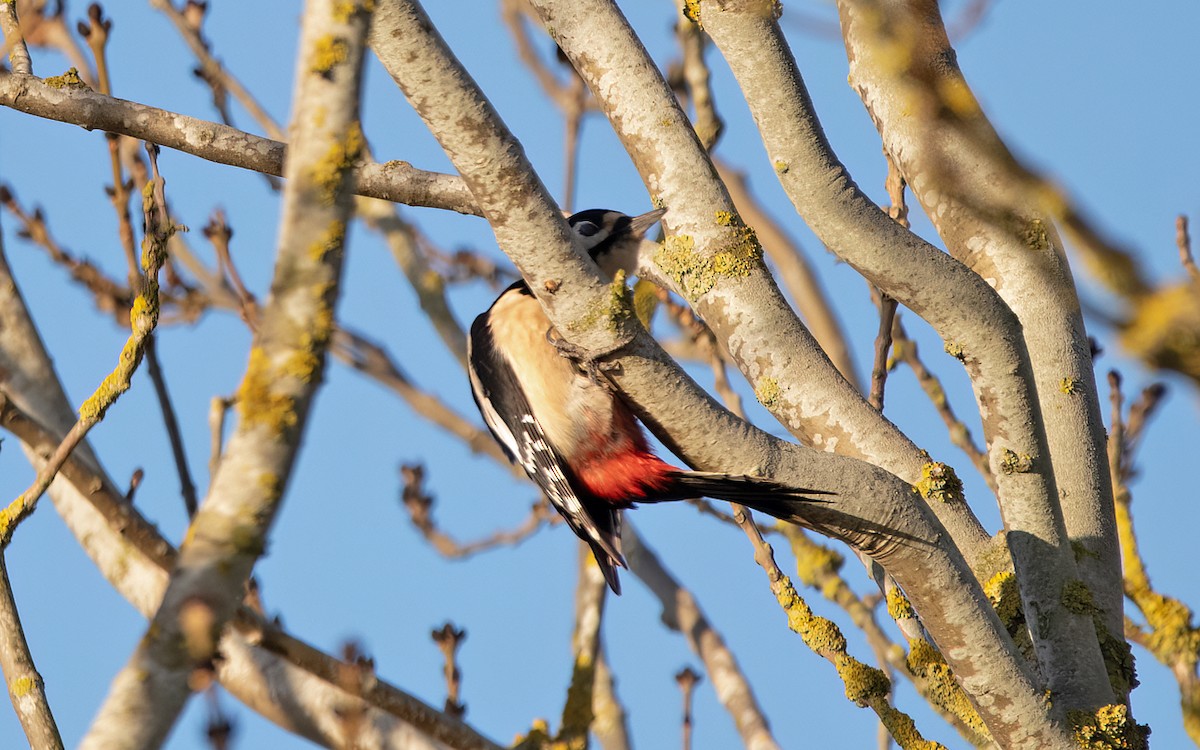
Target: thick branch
x=963, y=176
x=286, y=361
x=394, y=181
x=976, y=324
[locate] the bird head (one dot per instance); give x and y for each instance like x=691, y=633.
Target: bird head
x=612, y=238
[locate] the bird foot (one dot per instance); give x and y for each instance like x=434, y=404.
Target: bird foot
x=588, y=362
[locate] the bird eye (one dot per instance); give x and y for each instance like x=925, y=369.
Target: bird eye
x=586, y=228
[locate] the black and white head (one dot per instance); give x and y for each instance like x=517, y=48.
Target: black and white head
x=612, y=238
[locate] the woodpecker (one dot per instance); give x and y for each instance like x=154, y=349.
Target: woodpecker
x=575, y=437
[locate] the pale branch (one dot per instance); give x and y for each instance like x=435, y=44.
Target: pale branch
x=609, y=724
x=143, y=319
x=714, y=260
x=25, y=686
x=394, y=181
x=591, y=594
x=14, y=41
x=286, y=361
x=681, y=612
x=975, y=321
x=285, y=680
x=794, y=271
x=905, y=350
x=996, y=220
x=698, y=79
x=124, y=541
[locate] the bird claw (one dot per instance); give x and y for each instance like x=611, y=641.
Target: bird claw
x=587, y=362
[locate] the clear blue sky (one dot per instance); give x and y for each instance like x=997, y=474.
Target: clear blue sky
x=1103, y=99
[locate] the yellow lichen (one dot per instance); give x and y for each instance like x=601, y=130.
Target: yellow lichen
x=1069, y=386
x=1109, y=728
x=22, y=686
x=767, y=391
x=344, y=10
x=1013, y=463
x=898, y=605
x=941, y=688
x=691, y=11
x=330, y=240
x=329, y=51
x=68, y=80
x=814, y=561
x=329, y=172
x=1001, y=590
x=259, y=401
x=939, y=482
x=864, y=683
x=1165, y=329
x=955, y=350
x=782, y=167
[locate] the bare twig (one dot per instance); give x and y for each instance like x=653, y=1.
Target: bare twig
x=1184, y=242
x=111, y=298
x=419, y=505
x=143, y=319
x=25, y=686
x=883, y=344
x=14, y=40
x=187, y=487
x=687, y=679
x=1170, y=632
x=448, y=639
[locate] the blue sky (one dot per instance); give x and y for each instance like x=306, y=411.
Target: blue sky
x=1104, y=101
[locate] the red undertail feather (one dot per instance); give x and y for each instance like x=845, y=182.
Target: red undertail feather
x=627, y=478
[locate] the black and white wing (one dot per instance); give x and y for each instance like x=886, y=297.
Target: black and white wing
x=508, y=415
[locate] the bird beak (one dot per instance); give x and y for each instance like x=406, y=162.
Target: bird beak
x=638, y=225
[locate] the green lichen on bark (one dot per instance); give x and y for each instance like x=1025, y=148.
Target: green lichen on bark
x=898, y=605
x=1077, y=598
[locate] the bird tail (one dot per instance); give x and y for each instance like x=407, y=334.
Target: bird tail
x=764, y=495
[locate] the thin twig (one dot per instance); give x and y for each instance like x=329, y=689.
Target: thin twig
x=143, y=319
x=187, y=487
x=25, y=686
x=1184, y=242
x=883, y=344
x=687, y=679
x=419, y=505
x=14, y=41
x=448, y=639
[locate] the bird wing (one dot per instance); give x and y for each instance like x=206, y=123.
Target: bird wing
x=506, y=411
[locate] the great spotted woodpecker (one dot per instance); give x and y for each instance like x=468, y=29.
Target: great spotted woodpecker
x=575, y=438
